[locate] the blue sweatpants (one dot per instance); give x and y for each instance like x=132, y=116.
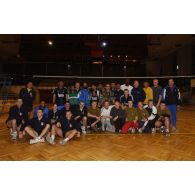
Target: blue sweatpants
x=173, y=110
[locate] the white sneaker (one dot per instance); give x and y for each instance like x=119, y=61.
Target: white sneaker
x=174, y=129
x=83, y=129
x=140, y=130
x=50, y=140
x=34, y=140
x=41, y=140
x=153, y=130
x=14, y=135
x=62, y=142
x=37, y=140
x=132, y=130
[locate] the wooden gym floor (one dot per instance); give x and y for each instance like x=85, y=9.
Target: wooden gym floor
x=179, y=146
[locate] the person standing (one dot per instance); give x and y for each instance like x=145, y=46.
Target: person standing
x=27, y=95
x=84, y=95
x=148, y=91
x=172, y=98
x=126, y=98
x=157, y=93
x=94, y=97
x=77, y=87
x=73, y=99
x=107, y=94
x=60, y=95
x=137, y=93
x=127, y=86
x=118, y=92
x=100, y=89
x=113, y=87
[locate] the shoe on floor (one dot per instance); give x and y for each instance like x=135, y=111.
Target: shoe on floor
x=62, y=142
x=14, y=135
x=50, y=140
x=174, y=129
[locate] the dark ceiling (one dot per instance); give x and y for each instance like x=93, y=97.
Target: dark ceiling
x=36, y=47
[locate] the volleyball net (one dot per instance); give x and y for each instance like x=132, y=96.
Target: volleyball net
x=186, y=84
x=46, y=83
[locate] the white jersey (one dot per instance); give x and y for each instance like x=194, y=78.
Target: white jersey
x=106, y=112
x=123, y=87
x=152, y=115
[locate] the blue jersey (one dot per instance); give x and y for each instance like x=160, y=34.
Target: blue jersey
x=84, y=95
x=45, y=111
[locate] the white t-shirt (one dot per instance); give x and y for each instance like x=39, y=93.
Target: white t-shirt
x=123, y=87
x=106, y=112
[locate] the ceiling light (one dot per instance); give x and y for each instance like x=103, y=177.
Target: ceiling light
x=50, y=42
x=103, y=44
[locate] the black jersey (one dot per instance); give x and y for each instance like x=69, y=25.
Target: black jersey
x=82, y=113
x=54, y=116
x=38, y=125
x=19, y=114
x=68, y=125
x=60, y=95
x=28, y=97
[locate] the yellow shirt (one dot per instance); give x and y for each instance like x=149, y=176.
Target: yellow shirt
x=149, y=94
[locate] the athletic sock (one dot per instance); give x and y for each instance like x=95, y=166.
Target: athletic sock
x=66, y=139
x=52, y=137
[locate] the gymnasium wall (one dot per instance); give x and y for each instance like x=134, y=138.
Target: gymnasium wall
x=167, y=65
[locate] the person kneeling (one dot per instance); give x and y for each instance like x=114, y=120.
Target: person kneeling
x=152, y=111
x=164, y=118
x=131, y=119
x=18, y=116
x=37, y=128
x=66, y=128
x=81, y=116
x=118, y=116
x=142, y=117
x=94, y=116
x=105, y=116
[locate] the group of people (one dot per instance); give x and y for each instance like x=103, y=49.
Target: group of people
x=111, y=107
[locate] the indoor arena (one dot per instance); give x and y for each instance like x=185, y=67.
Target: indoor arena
x=99, y=97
